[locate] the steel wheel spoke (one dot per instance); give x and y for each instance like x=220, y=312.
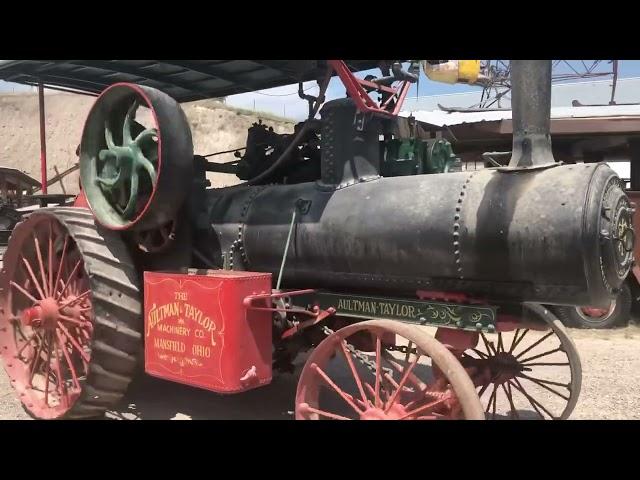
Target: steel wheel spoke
x=73, y=320
x=377, y=399
x=533, y=345
x=354, y=372
x=543, y=364
x=400, y=369
x=73, y=342
x=68, y=282
x=325, y=414
x=61, y=265
x=532, y=400
x=543, y=384
x=490, y=347
x=27, y=342
x=33, y=277
x=40, y=263
x=48, y=370
x=523, y=362
x=72, y=369
x=424, y=407
x=60, y=379
x=82, y=296
x=23, y=291
x=480, y=353
x=403, y=380
x=510, y=398
x=338, y=390
x=50, y=258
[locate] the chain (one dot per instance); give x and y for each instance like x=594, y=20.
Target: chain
x=402, y=349
x=361, y=357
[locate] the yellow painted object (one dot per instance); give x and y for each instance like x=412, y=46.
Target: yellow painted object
x=453, y=71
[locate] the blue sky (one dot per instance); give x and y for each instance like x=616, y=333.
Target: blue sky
x=284, y=101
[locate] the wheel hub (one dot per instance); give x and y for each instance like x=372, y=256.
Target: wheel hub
x=45, y=315
x=503, y=367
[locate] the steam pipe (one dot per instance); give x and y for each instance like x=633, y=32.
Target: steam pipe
x=531, y=106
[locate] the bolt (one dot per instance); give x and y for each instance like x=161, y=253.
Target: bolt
x=479, y=326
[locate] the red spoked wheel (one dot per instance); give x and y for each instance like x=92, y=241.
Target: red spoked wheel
x=527, y=373
x=360, y=373
x=61, y=355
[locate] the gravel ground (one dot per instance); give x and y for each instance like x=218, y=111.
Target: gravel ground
x=610, y=389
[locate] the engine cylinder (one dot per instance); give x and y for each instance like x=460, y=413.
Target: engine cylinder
x=560, y=235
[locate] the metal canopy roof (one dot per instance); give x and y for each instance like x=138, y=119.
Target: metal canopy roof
x=184, y=80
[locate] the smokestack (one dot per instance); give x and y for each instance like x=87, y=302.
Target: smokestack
x=531, y=107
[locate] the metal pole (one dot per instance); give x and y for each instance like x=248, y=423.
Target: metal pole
x=531, y=117
x=286, y=247
x=43, y=140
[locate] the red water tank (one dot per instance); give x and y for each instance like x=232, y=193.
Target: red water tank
x=198, y=332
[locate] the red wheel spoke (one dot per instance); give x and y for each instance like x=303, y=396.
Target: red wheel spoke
x=48, y=370
x=534, y=403
x=33, y=277
x=62, y=388
x=424, y=407
x=36, y=359
x=408, y=354
x=61, y=264
x=74, y=321
x=82, y=296
x=23, y=291
x=26, y=343
x=403, y=380
x=72, y=369
x=325, y=414
x=378, y=401
x=544, y=384
x=354, y=372
x=559, y=349
x=41, y=264
x=338, y=390
x=399, y=368
x=75, y=268
x=533, y=345
x=51, y=258
x=82, y=353
x=500, y=346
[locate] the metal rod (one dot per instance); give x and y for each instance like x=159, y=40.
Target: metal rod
x=43, y=140
x=286, y=248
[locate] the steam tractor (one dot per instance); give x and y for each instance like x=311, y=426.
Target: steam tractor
x=415, y=291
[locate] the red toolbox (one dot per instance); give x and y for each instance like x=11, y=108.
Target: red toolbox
x=198, y=332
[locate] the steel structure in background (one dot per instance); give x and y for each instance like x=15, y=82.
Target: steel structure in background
x=496, y=79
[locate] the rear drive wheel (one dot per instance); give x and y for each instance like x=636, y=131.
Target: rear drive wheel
x=70, y=324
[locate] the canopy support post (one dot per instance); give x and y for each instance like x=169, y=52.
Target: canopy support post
x=43, y=140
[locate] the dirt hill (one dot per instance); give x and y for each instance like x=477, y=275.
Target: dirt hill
x=215, y=127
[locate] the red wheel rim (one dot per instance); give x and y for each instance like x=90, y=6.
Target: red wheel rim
x=47, y=317
x=407, y=385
